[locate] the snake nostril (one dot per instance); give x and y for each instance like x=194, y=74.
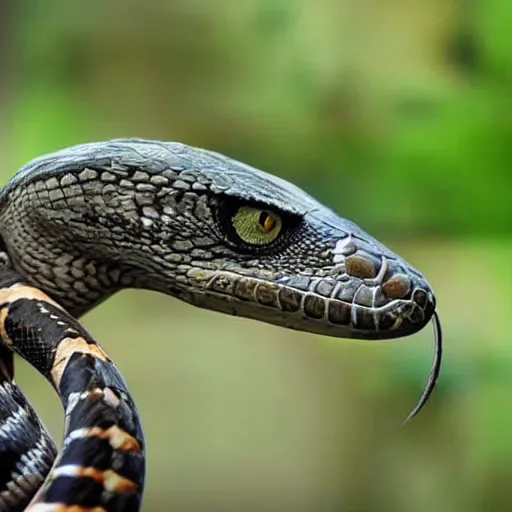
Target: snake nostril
x=397, y=287
x=362, y=266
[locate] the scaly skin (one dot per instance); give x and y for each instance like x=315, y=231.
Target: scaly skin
x=82, y=223
x=100, y=467
x=26, y=449
x=87, y=221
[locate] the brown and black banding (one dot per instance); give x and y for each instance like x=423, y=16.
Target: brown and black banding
x=101, y=466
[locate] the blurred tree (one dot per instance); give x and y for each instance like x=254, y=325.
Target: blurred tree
x=7, y=64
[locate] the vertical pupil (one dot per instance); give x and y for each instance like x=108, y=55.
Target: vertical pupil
x=262, y=218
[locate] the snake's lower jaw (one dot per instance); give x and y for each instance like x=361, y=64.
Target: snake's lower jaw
x=291, y=307
x=404, y=321
x=398, y=320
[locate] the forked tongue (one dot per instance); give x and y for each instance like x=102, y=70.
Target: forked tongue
x=434, y=371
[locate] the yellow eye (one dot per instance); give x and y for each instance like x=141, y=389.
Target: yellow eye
x=256, y=226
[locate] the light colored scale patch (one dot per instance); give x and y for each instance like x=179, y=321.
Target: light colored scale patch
x=62, y=507
x=146, y=187
x=149, y=211
x=108, y=176
x=181, y=185
x=31, y=470
x=159, y=180
x=110, y=398
x=199, y=187
x=14, y=422
x=111, y=481
x=67, y=179
x=79, y=433
x=6, y=388
x=117, y=438
x=52, y=183
x=87, y=174
x=343, y=248
x=66, y=348
x=126, y=183
x=55, y=195
x=20, y=488
x=73, y=399
x=146, y=222
x=140, y=176
x=32, y=461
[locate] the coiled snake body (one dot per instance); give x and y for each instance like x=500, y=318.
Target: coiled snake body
x=82, y=223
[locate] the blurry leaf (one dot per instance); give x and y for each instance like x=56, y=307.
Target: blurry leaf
x=494, y=19
x=45, y=120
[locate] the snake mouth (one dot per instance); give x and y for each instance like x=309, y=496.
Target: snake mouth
x=316, y=305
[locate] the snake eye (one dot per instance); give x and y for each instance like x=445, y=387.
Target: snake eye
x=256, y=226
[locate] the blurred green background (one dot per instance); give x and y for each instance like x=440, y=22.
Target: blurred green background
x=395, y=113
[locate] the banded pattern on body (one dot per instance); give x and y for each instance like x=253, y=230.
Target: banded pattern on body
x=27, y=451
x=84, y=222
x=100, y=467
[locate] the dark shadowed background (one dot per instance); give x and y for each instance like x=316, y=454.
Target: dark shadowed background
x=395, y=113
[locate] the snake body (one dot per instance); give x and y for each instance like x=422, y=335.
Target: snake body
x=102, y=458
x=84, y=222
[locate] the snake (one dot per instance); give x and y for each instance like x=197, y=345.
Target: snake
x=84, y=222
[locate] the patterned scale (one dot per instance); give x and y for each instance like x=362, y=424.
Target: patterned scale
x=100, y=467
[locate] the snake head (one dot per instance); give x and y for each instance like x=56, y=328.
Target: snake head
x=209, y=230
x=289, y=260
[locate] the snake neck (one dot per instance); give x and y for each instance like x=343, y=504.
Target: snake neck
x=75, y=279
x=98, y=244
x=97, y=233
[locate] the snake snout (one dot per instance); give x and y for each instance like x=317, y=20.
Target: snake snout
x=376, y=315
x=404, y=317
x=389, y=298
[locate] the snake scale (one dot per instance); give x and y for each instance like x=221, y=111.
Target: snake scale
x=84, y=222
